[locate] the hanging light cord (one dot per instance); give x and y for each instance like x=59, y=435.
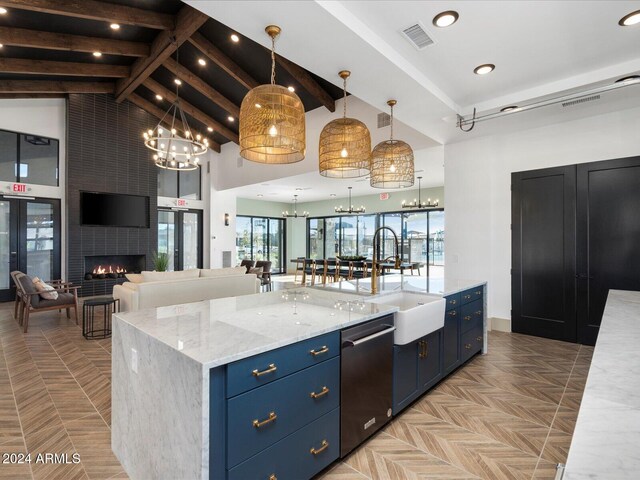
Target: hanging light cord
x=344, y=95
x=273, y=60
x=473, y=123
x=391, y=123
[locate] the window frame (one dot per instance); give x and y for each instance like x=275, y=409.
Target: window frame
x=275, y=269
x=18, y=179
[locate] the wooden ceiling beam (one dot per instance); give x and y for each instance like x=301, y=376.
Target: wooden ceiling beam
x=192, y=111
x=188, y=20
x=223, y=61
x=32, y=95
x=157, y=112
x=95, y=10
x=21, y=37
x=76, y=69
x=54, y=87
x=308, y=83
x=203, y=87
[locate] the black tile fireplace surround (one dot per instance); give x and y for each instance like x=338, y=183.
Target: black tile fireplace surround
x=98, y=267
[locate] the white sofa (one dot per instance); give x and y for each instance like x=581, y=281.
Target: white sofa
x=161, y=289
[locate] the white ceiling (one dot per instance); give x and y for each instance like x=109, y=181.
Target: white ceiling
x=540, y=48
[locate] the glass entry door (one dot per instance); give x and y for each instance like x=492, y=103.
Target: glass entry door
x=180, y=237
x=29, y=240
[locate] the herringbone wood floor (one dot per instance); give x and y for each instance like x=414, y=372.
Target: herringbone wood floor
x=509, y=414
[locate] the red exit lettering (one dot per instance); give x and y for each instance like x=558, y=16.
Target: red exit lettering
x=182, y=203
x=17, y=187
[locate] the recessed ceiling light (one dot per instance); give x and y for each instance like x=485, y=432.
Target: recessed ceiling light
x=97, y=54
x=291, y=89
x=509, y=108
x=177, y=81
x=115, y=26
x=445, y=19
x=159, y=97
x=3, y=11
x=235, y=38
x=484, y=69
x=260, y=195
x=210, y=129
x=631, y=19
x=230, y=118
x=202, y=61
x=299, y=189
x=332, y=194
x=631, y=77
x=1, y=45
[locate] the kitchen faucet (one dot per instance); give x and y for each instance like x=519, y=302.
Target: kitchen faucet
x=374, y=263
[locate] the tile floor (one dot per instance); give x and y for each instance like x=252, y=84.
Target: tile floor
x=509, y=414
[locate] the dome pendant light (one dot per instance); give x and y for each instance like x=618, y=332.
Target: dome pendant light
x=272, y=120
x=392, y=162
x=345, y=144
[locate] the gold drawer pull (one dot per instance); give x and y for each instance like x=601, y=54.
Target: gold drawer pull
x=273, y=477
x=479, y=339
x=479, y=312
x=272, y=417
x=272, y=368
x=324, y=446
x=468, y=317
x=466, y=297
x=467, y=346
x=478, y=293
x=322, y=393
x=452, y=302
x=452, y=313
x=324, y=349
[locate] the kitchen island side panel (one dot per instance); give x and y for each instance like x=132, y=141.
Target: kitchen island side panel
x=169, y=386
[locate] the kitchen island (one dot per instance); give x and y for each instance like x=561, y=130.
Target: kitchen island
x=178, y=384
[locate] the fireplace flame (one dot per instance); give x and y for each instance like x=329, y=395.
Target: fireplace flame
x=99, y=270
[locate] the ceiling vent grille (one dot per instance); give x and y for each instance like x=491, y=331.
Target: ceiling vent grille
x=581, y=100
x=417, y=36
x=384, y=120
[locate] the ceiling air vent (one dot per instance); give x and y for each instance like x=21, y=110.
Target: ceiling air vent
x=581, y=100
x=417, y=35
x=384, y=120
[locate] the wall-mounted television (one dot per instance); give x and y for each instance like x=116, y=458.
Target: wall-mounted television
x=114, y=210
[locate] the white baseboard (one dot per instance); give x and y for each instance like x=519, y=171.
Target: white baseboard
x=499, y=324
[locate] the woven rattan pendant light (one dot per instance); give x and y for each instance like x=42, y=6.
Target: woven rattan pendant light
x=392, y=162
x=272, y=121
x=345, y=144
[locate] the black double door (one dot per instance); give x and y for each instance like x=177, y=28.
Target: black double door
x=29, y=240
x=575, y=236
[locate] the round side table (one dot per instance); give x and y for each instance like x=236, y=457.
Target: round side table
x=109, y=306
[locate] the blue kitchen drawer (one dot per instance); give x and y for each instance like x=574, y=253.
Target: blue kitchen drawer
x=472, y=315
x=471, y=343
x=289, y=400
x=292, y=457
x=248, y=373
x=471, y=295
x=453, y=301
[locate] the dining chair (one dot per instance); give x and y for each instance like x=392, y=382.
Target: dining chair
x=309, y=269
x=332, y=269
x=265, y=276
x=299, y=268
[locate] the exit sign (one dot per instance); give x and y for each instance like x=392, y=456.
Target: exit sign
x=384, y=196
x=19, y=188
x=181, y=203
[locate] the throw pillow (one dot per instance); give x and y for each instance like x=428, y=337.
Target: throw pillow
x=45, y=290
x=134, y=277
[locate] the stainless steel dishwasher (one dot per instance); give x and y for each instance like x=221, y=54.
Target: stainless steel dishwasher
x=366, y=381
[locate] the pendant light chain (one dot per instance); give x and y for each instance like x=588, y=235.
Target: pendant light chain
x=344, y=95
x=273, y=60
x=391, y=123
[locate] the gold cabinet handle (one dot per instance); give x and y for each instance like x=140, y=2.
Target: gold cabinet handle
x=273, y=477
x=424, y=352
x=324, y=349
x=452, y=313
x=468, y=317
x=479, y=339
x=467, y=346
x=272, y=416
x=479, y=312
x=324, y=446
x=452, y=302
x=322, y=393
x=272, y=368
x=467, y=297
x=421, y=345
x=479, y=292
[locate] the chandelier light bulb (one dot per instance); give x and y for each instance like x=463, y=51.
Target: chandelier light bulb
x=344, y=153
x=273, y=131
x=198, y=137
x=173, y=131
x=392, y=168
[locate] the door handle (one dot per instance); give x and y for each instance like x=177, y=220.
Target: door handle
x=584, y=276
x=353, y=343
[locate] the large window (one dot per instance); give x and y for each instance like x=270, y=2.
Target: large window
x=420, y=236
x=175, y=184
x=261, y=238
x=28, y=159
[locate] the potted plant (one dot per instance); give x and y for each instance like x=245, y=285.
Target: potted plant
x=160, y=261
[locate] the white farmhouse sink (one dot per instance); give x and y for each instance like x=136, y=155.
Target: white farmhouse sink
x=419, y=315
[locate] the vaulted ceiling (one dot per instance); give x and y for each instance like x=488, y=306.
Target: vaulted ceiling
x=47, y=49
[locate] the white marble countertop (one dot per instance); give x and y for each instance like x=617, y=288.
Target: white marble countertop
x=407, y=283
x=220, y=331
x=607, y=434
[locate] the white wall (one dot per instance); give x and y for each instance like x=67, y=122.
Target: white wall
x=46, y=117
x=478, y=179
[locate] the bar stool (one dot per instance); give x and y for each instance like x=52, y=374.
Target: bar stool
x=309, y=269
x=299, y=268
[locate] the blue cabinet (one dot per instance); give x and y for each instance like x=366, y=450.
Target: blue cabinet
x=463, y=325
x=417, y=366
x=451, y=340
